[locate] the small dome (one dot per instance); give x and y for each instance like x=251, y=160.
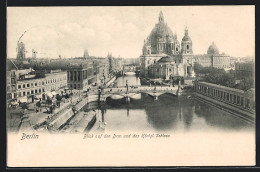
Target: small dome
x=186, y=35
x=186, y=38
x=213, y=49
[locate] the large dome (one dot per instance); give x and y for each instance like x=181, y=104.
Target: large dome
x=213, y=49
x=161, y=31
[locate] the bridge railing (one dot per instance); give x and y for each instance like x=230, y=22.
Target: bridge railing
x=140, y=88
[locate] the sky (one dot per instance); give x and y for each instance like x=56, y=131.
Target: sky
x=67, y=31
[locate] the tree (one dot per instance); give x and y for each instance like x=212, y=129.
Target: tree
x=197, y=68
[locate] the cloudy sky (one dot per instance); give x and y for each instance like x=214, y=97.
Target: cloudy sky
x=121, y=30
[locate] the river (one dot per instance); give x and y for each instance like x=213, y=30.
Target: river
x=167, y=114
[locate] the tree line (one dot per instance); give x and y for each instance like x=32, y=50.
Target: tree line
x=231, y=78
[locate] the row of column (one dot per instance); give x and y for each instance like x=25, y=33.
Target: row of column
x=162, y=46
x=75, y=75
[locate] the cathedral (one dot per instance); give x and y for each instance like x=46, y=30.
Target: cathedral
x=163, y=56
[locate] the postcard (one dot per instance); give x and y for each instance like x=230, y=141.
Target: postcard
x=130, y=86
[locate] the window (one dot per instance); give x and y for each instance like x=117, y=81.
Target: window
x=31, y=84
x=28, y=93
x=227, y=96
x=24, y=93
x=23, y=85
x=43, y=90
x=247, y=103
x=238, y=100
x=234, y=99
x=19, y=86
x=28, y=85
x=188, y=47
x=40, y=90
x=71, y=77
x=242, y=101
x=35, y=83
x=19, y=94
x=32, y=92
x=75, y=86
x=42, y=82
x=71, y=86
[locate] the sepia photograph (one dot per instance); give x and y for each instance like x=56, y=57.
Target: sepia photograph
x=95, y=86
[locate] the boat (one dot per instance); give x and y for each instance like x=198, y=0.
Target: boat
x=130, y=73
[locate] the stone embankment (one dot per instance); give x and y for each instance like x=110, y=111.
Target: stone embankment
x=66, y=114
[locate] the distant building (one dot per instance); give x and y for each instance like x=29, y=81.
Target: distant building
x=81, y=76
x=20, y=51
x=213, y=58
x=103, y=73
x=85, y=55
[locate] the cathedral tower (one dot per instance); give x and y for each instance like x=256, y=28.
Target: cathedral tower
x=186, y=43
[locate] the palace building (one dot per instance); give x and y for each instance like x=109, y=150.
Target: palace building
x=163, y=56
x=213, y=58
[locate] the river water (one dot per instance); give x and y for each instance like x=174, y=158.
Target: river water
x=167, y=114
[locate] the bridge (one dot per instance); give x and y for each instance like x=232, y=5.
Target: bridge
x=130, y=92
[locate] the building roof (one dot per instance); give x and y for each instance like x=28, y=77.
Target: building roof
x=213, y=49
x=166, y=59
x=161, y=31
